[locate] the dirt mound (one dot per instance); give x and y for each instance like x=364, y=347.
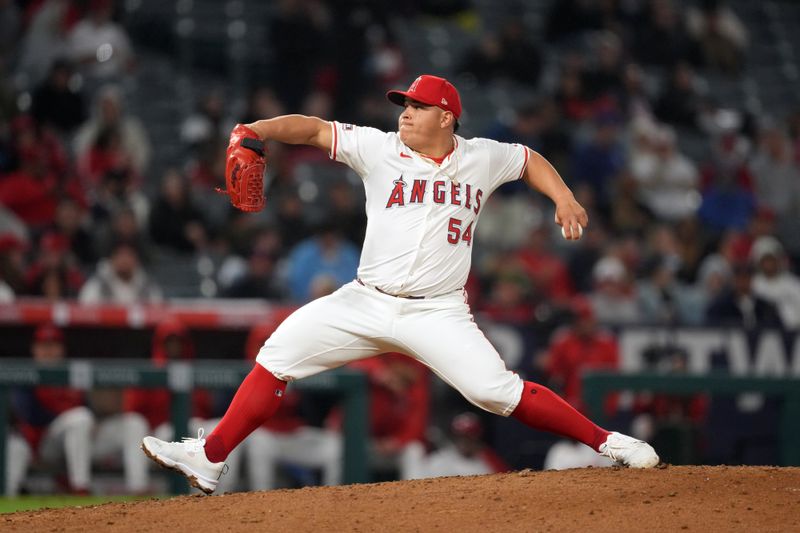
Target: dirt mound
x=599, y=499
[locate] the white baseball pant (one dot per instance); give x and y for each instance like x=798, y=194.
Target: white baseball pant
x=358, y=321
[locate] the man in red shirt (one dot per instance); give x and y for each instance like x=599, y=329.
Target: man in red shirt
x=54, y=421
x=583, y=346
x=287, y=438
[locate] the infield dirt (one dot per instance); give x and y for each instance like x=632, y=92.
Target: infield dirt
x=684, y=498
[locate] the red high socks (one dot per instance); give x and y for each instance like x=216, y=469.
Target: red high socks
x=540, y=408
x=257, y=399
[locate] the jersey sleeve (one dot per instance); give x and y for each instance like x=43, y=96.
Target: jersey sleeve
x=507, y=162
x=358, y=147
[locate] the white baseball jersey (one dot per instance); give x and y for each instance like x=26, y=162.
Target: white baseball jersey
x=421, y=224
x=422, y=216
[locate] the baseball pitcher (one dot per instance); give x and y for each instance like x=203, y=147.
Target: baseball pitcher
x=425, y=189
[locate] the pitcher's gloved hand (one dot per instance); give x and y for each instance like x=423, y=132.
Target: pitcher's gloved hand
x=244, y=170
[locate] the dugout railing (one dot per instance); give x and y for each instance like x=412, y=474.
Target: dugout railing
x=181, y=378
x=596, y=385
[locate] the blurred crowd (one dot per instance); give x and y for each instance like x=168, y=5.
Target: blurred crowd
x=692, y=201
x=611, y=92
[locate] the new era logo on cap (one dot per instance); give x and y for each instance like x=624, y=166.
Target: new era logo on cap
x=430, y=90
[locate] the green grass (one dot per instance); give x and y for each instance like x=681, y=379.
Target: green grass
x=29, y=503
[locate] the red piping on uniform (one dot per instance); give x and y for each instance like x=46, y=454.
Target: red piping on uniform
x=525, y=164
x=335, y=140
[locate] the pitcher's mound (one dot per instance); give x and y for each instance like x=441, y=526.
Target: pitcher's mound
x=685, y=498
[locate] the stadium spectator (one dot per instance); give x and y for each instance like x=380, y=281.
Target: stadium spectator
x=45, y=39
x=176, y=221
x=507, y=55
x=54, y=274
x=345, y=210
x=399, y=403
x=262, y=102
x=71, y=222
x=172, y=343
x=599, y=160
x=108, y=114
x=324, y=254
x=628, y=213
x=692, y=245
x=123, y=227
x=54, y=421
x=120, y=279
x=774, y=282
x=298, y=32
x=675, y=421
x=613, y=297
x=117, y=191
x=208, y=126
x=10, y=26
x=58, y=101
x=580, y=346
x=99, y=45
x=737, y=305
x=466, y=455
x=604, y=77
x=12, y=266
x=667, y=180
x=776, y=175
x=41, y=177
x=721, y=36
x=547, y=272
x=535, y=124
x=570, y=17
x=510, y=297
x=661, y=38
x=106, y=156
x=662, y=299
x=571, y=96
x=287, y=438
x=680, y=103
x=258, y=278
x=728, y=200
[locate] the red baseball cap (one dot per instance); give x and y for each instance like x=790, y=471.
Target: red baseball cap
x=48, y=333
x=430, y=90
x=467, y=424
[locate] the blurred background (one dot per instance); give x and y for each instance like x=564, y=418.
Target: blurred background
x=675, y=122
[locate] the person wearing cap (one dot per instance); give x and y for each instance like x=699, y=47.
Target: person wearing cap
x=774, y=282
x=54, y=421
x=576, y=348
x=425, y=188
x=467, y=454
x=737, y=305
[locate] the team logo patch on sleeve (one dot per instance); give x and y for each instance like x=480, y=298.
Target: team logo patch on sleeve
x=347, y=127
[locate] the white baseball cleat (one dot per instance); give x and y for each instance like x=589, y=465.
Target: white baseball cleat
x=627, y=451
x=188, y=458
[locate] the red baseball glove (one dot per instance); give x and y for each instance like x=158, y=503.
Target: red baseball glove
x=244, y=170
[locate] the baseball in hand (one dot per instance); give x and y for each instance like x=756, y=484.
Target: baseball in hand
x=564, y=231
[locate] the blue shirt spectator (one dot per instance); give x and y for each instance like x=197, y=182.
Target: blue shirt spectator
x=599, y=160
x=321, y=264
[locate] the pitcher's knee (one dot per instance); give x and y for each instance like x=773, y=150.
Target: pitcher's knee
x=500, y=399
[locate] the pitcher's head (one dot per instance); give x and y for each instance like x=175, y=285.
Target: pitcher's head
x=431, y=107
